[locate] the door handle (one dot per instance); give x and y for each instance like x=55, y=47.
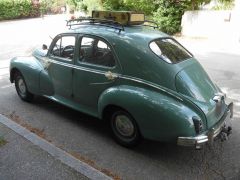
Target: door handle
x=111, y=76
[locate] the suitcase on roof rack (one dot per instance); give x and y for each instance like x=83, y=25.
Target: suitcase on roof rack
x=122, y=17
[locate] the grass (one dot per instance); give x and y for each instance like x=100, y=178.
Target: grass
x=2, y=141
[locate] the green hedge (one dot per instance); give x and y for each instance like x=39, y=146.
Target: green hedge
x=169, y=15
x=13, y=9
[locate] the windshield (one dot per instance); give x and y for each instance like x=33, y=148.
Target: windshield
x=169, y=50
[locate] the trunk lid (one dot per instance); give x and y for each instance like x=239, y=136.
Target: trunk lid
x=193, y=82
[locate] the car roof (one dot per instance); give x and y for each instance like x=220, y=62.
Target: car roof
x=135, y=32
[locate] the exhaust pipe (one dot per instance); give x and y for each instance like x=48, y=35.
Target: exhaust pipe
x=226, y=131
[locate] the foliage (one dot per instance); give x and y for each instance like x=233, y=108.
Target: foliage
x=224, y=5
x=92, y=5
x=85, y=5
x=11, y=9
x=113, y=4
x=52, y=6
x=195, y=4
x=168, y=15
x=146, y=6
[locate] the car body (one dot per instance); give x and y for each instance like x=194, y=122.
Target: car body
x=137, y=78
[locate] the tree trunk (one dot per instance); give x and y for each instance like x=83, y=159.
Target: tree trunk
x=193, y=4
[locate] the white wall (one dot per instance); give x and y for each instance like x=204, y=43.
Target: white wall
x=212, y=24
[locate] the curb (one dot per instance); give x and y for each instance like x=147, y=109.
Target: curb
x=56, y=152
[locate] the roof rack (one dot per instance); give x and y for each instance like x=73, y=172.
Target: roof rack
x=95, y=21
x=151, y=22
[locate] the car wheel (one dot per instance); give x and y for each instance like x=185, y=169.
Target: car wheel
x=21, y=88
x=124, y=129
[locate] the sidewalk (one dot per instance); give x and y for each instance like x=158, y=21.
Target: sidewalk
x=20, y=159
x=27, y=156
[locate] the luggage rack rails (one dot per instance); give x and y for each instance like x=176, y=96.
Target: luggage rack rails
x=151, y=22
x=106, y=23
x=95, y=21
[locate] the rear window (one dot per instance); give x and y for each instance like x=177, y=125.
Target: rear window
x=169, y=50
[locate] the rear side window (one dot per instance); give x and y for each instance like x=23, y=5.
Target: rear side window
x=96, y=51
x=169, y=50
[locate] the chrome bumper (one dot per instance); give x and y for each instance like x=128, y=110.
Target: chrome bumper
x=210, y=135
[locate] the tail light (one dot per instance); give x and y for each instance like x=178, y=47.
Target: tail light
x=198, y=124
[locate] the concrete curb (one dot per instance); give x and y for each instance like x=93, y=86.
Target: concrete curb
x=56, y=152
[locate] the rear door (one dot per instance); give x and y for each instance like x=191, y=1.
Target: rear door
x=96, y=70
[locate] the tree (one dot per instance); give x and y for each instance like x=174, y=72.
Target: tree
x=169, y=15
x=195, y=4
x=74, y=2
x=146, y=6
x=113, y=4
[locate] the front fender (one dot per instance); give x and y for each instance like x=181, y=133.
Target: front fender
x=159, y=116
x=30, y=68
x=36, y=77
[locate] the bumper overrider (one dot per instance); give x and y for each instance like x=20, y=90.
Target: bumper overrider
x=221, y=130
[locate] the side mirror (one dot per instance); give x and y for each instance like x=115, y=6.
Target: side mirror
x=44, y=47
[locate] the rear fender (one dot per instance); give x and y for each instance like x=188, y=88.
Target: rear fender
x=158, y=115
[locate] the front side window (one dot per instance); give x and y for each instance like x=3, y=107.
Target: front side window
x=95, y=51
x=169, y=50
x=64, y=47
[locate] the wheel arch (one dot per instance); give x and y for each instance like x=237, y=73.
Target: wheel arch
x=13, y=71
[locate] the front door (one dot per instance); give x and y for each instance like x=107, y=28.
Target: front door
x=61, y=58
x=96, y=70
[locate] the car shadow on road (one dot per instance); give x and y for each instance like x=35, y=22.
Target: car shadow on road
x=75, y=117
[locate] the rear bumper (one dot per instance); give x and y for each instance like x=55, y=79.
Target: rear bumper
x=211, y=134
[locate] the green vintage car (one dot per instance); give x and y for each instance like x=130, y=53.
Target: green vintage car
x=117, y=67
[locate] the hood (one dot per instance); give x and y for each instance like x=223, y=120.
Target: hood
x=39, y=53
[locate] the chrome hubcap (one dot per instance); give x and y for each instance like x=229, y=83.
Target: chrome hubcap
x=22, y=87
x=124, y=125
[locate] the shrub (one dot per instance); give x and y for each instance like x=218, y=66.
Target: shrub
x=169, y=15
x=12, y=9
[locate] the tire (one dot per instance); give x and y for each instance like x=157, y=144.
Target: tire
x=21, y=88
x=124, y=129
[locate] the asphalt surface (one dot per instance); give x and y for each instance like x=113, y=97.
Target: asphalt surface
x=88, y=137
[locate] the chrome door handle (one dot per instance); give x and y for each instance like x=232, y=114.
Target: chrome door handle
x=111, y=76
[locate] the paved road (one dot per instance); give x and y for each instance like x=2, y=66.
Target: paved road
x=87, y=137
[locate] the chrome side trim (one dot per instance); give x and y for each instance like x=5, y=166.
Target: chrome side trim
x=149, y=84
x=75, y=67
x=115, y=74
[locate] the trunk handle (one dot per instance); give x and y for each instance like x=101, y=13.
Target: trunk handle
x=218, y=97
